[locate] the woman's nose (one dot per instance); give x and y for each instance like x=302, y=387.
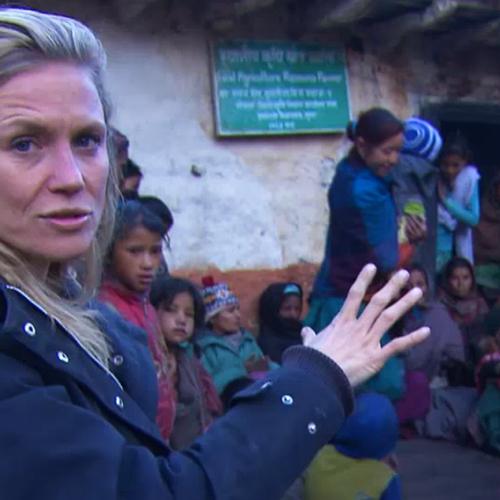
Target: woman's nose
x=66, y=175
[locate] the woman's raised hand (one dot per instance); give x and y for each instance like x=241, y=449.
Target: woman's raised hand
x=354, y=343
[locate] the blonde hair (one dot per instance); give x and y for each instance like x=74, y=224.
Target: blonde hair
x=27, y=39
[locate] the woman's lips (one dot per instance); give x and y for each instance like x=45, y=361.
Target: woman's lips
x=146, y=278
x=67, y=221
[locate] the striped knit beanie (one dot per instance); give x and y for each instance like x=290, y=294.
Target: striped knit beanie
x=421, y=139
x=216, y=296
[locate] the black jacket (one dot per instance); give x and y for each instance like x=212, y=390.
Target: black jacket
x=70, y=429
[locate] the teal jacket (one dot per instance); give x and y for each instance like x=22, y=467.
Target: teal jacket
x=222, y=362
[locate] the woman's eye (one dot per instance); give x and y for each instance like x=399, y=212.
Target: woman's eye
x=87, y=141
x=23, y=145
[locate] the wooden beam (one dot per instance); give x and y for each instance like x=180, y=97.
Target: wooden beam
x=232, y=9
x=458, y=39
x=389, y=33
x=325, y=14
x=128, y=10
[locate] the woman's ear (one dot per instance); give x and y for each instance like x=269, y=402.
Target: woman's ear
x=361, y=146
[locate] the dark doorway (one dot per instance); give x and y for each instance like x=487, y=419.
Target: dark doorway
x=479, y=124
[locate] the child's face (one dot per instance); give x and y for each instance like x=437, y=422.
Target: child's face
x=451, y=165
x=291, y=307
x=177, y=320
x=417, y=280
x=132, y=183
x=228, y=320
x=461, y=282
x=136, y=258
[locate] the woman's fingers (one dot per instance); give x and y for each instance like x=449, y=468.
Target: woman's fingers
x=383, y=298
x=308, y=335
x=357, y=292
x=401, y=344
x=395, y=312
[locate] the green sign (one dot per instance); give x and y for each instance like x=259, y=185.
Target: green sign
x=263, y=88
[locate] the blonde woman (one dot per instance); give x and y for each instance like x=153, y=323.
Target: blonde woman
x=74, y=421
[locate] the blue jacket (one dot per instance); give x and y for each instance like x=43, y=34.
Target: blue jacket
x=362, y=228
x=222, y=362
x=70, y=428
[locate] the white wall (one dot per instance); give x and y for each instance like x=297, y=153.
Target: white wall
x=261, y=202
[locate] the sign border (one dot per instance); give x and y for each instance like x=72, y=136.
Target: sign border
x=256, y=133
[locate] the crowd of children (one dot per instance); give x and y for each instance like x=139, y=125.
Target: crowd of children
x=203, y=355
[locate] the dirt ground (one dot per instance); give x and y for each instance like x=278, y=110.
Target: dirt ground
x=436, y=470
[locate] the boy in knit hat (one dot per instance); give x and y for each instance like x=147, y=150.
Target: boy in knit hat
x=358, y=462
x=228, y=352
x=415, y=190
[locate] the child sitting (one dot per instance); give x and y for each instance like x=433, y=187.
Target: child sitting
x=280, y=309
x=180, y=310
x=132, y=262
x=458, y=209
x=488, y=384
x=460, y=295
x=358, y=462
x=228, y=352
x=446, y=342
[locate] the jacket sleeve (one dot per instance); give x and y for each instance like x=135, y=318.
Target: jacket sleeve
x=54, y=448
x=374, y=207
x=468, y=215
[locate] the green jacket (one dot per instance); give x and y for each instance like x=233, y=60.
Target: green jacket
x=222, y=362
x=332, y=475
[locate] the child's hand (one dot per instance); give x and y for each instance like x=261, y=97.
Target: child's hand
x=416, y=229
x=254, y=364
x=442, y=191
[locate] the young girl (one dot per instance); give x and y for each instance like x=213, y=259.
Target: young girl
x=280, y=309
x=180, y=310
x=363, y=224
x=446, y=341
x=131, y=265
x=228, y=352
x=459, y=293
x=458, y=211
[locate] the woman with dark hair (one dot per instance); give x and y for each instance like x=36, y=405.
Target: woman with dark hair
x=363, y=228
x=280, y=309
x=362, y=225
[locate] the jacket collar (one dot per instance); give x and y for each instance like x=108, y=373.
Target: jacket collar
x=75, y=339
x=27, y=325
